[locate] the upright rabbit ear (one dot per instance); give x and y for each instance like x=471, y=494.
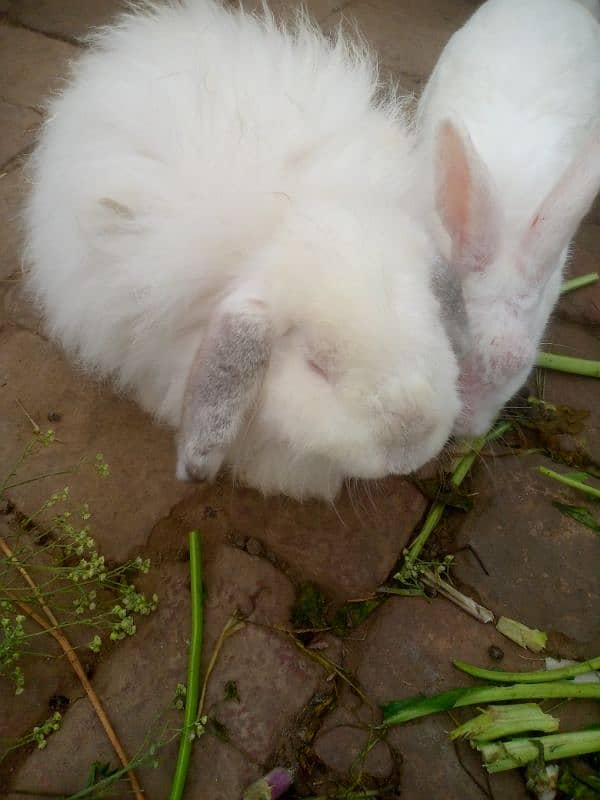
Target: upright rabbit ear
x=465, y=201
x=559, y=216
x=223, y=385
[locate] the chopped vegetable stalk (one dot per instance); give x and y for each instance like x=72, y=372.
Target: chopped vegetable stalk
x=483, y=614
x=575, y=366
x=500, y=721
x=579, y=283
x=541, y=676
x=437, y=509
x=568, y=481
x=529, y=638
x=500, y=756
x=398, y=711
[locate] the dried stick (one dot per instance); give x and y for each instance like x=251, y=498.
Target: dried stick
x=54, y=630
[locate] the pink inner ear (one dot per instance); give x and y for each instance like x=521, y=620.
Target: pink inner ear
x=455, y=189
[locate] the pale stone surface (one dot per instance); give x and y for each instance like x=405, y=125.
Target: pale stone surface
x=348, y=549
x=11, y=197
x=141, y=488
x=542, y=565
x=18, y=126
x=70, y=19
x=31, y=65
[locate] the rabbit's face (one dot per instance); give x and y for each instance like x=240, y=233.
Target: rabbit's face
x=360, y=379
x=509, y=269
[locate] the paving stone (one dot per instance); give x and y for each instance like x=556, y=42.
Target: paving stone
x=141, y=488
x=70, y=19
x=18, y=127
x=12, y=187
x=17, y=309
x=569, y=339
x=348, y=549
x=407, y=648
x=583, y=305
x=30, y=65
x=408, y=36
x=273, y=680
x=543, y=566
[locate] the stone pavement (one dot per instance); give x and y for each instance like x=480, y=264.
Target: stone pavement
x=541, y=567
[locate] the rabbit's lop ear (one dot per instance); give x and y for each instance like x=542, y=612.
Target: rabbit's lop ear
x=223, y=385
x=465, y=201
x=559, y=216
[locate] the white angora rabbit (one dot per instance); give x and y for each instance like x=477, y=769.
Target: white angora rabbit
x=510, y=131
x=221, y=221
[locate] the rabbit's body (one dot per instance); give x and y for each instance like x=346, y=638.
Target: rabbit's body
x=505, y=122
x=219, y=204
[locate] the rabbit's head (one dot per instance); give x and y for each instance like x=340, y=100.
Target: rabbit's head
x=330, y=363
x=509, y=277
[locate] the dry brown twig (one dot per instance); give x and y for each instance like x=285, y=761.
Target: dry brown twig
x=53, y=628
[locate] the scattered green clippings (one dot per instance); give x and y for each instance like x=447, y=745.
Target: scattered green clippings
x=579, y=513
x=574, y=366
x=578, y=784
x=459, y=473
x=540, y=676
x=514, y=753
x=542, y=778
x=529, y=638
x=497, y=722
x=352, y=614
x=99, y=772
x=571, y=482
x=310, y=609
x=398, y=711
x=579, y=283
x=193, y=679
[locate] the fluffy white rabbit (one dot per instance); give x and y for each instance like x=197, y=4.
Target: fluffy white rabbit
x=219, y=220
x=510, y=131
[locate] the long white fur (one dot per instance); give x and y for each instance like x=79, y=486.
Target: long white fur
x=198, y=153
x=519, y=86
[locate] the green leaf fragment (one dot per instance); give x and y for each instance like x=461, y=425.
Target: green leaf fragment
x=580, y=514
x=398, y=711
x=529, y=638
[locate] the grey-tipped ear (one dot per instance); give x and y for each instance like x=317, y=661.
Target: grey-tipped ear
x=223, y=386
x=560, y=214
x=465, y=199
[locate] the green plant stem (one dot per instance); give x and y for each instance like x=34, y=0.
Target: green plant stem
x=399, y=711
x=579, y=283
x=575, y=366
x=193, y=677
x=459, y=473
x=583, y=487
x=517, y=752
x=541, y=676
